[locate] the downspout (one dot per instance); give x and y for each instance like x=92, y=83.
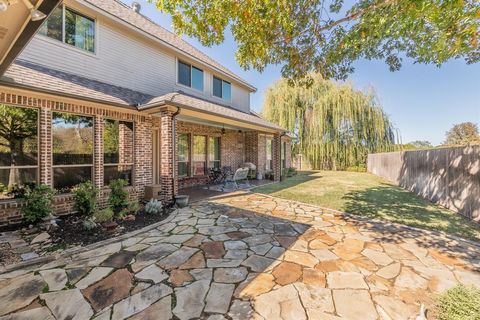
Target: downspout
x=174, y=148
x=282, y=135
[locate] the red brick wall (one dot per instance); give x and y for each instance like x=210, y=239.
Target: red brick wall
x=10, y=209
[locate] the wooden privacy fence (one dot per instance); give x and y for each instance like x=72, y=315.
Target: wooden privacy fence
x=449, y=177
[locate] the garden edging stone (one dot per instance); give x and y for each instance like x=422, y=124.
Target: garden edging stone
x=76, y=250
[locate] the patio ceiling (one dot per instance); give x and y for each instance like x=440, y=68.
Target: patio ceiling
x=210, y=123
x=17, y=27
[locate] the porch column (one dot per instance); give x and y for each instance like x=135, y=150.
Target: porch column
x=277, y=171
x=251, y=148
x=167, y=144
x=45, y=142
x=98, y=152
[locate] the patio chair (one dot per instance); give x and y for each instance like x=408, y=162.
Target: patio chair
x=239, y=175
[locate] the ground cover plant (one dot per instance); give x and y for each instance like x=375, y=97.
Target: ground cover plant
x=459, y=303
x=371, y=196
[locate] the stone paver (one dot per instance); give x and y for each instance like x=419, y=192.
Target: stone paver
x=246, y=256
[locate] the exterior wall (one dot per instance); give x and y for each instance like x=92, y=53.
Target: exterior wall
x=10, y=209
x=127, y=59
x=288, y=155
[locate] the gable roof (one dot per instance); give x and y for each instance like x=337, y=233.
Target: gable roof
x=142, y=23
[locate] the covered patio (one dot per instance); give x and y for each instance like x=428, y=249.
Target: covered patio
x=197, y=138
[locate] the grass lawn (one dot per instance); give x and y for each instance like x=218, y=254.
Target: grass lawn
x=371, y=196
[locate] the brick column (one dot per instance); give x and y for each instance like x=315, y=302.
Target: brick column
x=167, y=145
x=45, y=142
x=143, y=170
x=276, y=157
x=98, y=152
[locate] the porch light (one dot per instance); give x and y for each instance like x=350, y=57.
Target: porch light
x=35, y=14
x=3, y=5
x=223, y=131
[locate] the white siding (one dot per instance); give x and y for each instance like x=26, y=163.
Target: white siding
x=125, y=59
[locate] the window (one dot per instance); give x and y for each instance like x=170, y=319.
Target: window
x=269, y=159
x=72, y=142
x=284, y=154
x=18, y=147
x=190, y=76
x=214, y=152
x=183, y=151
x=117, y=150
x=222, y=89
x=70, y=27
x=199, y=155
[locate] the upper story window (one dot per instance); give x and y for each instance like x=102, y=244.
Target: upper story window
x=222, y=89
x=190, y=76
x=70, y=27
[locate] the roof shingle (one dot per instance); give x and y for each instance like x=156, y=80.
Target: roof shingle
x=125, y=13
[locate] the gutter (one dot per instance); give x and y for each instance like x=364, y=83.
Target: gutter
x=280, y=141
x=184, y=106
x=174, y=141
x=66, y=95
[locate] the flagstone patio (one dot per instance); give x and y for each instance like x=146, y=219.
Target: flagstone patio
x=248, y=256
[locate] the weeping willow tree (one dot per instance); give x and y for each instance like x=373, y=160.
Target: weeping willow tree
x=336, y=125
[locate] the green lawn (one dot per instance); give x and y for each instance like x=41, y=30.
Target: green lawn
x=371, y=196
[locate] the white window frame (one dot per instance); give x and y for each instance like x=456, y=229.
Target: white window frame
x=131, y=183
x=70, y=46
x=178, y=61
x=222, y=98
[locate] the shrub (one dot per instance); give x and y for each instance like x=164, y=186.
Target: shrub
x=18, y=191
x=119, y=197
x=38, y=203
x=291, y=172
x=85, y=196
x=103, y=215
x=133, y=207
x=459, y=303
x=154, y=207
x=89, y=224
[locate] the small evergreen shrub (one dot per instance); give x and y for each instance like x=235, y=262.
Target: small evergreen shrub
x=103, y=215
x=154, y=206
x=18, y=191
x=89, y=224
x=85, y=196
x=38, y=203
x=459, y=303
x=133, y=207
x=119, y=197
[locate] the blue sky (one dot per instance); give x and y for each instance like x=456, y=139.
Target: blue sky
x=423, y=101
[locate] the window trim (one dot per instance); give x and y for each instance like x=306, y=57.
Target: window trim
x=205, y=168
x=178, y=61
x=119, y=164
x=72, y=165
x=269, y=161
x=189, y=151
x=219, y=152
x=222, y=81
x=70, y=46
x=38, y=147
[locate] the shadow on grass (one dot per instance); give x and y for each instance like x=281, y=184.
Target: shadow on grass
x=299, y=178
x=394, y=204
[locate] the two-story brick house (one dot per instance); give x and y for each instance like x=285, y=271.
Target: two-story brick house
x=105, y=93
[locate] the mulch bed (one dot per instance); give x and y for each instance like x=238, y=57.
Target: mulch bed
x=70, y=231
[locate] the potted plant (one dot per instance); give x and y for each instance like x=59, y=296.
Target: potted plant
x=181, y=200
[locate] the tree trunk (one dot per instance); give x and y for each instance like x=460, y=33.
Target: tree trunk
x=16, y=151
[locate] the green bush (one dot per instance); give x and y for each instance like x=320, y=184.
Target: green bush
x=18, y=191
x=154, y=207
x=133, y=207
x=85, y=197
x=89, y=224
x=459, y=303
x=291, y=172
x=119, y=197
x=38, y=203
x=103, y=215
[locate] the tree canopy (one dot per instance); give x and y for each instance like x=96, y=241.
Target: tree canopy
x=327, y=36
x=463, y=134
x=336, y=126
